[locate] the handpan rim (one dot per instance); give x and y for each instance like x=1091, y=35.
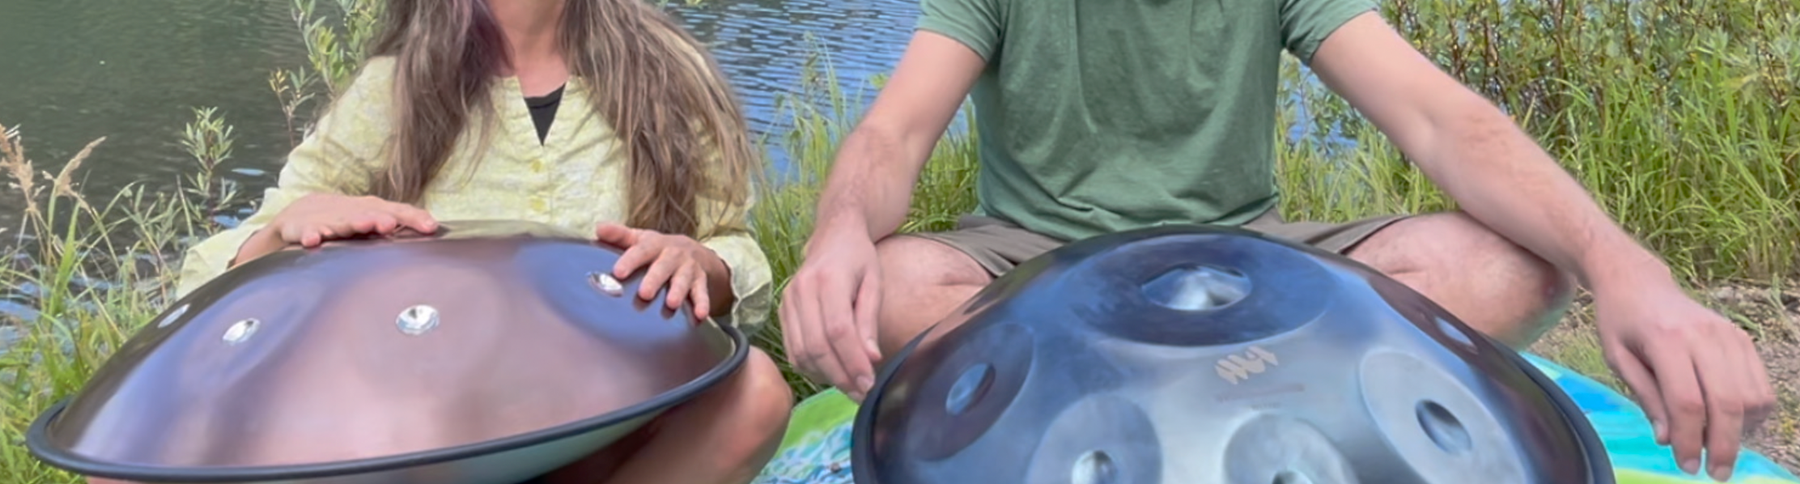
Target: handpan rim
x=862, y=428
x=37, y=439
x=1593, y=449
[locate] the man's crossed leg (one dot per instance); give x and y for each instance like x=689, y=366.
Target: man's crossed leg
x=1491, y=284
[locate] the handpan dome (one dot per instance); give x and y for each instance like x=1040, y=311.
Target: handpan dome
x=488, y=353
x=1210, y=355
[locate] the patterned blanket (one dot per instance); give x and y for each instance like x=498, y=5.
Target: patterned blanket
x=816, y=449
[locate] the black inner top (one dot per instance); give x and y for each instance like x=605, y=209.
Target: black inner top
x=543, y=110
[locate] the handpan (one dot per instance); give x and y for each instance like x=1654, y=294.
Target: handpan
x=488, y=353
x=1212, y=355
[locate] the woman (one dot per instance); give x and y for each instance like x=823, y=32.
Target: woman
x=597, y=115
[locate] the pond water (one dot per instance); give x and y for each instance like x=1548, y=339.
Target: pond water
x=76, y=70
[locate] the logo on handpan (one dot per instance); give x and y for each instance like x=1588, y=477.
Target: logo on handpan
x=1240, y=367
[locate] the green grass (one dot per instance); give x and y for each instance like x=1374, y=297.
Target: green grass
x=1681, y=116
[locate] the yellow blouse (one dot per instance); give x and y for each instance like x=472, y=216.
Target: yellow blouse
x=570, y=181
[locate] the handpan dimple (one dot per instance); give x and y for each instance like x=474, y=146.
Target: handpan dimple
x=1197, y=288
x=1280, y=449
x=491, y=352
x=417, y=320
x=968, y=389
x=1103, y=439
x=1435, y=423
x=241, y=330
x=1193, y=289
x=1208, y=355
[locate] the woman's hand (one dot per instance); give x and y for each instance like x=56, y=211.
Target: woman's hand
x=321, y=217
x=688, y=268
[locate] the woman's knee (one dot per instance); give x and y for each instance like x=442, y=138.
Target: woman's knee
x=763, y=402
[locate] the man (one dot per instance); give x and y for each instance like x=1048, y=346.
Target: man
x=1099, y=116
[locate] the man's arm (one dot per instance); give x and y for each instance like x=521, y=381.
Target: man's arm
x=1479, y=156
x=1696, y=374
x=871, y=183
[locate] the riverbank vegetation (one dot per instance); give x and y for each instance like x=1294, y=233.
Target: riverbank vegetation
x=1682, y=117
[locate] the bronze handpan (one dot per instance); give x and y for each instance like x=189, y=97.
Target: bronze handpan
x=1212, y=355
x=488, y=353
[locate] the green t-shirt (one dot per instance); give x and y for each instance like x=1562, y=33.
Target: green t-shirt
x=1101, y=116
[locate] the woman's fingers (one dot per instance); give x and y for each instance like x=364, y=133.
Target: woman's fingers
x=635, y=258
x=702, y=301
x=679, y=284
x=658, y=275
x=415, y=218
x=615, y=234
x=384, y=223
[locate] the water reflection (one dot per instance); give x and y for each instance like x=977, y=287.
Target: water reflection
x=764, y=44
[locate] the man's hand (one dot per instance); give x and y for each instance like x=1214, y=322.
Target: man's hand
x=1696, y=374
x=828, y=312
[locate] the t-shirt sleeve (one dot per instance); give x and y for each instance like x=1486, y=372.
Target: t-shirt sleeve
x=1306, y=23
x=974, y=23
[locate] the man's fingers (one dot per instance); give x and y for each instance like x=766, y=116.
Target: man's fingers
x=846, y=337
x=1686, y=406
x=1724, y=388
x=818, y=342
x=1762, y=400
x=1643, y=386
x=792, y=328
x=868, y=308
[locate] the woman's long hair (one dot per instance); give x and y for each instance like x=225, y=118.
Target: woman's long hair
x=663, y=95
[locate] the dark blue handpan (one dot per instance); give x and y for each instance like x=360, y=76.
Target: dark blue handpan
x=1210, y=355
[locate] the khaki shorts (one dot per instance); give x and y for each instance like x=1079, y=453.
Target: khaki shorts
x=999, y=246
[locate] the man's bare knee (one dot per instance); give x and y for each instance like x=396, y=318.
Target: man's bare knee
x=1485, y=279
x=913, y=261
x=922, y=281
